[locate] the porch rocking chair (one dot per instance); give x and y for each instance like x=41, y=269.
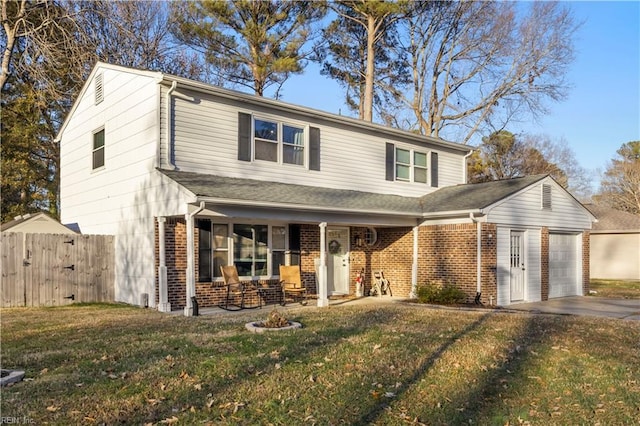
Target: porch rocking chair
x=238, y=292
x=292, y=284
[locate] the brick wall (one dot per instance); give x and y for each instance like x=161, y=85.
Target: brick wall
x=207, y=293
x=586, y=247
x=544, y=263
x=448, y=255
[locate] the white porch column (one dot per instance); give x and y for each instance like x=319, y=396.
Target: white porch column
x=190, y=272
x=413, y=294
x=323, y=299
x=163, y=292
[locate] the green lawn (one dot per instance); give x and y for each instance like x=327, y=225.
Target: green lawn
x=394, y=364
x=624, y=289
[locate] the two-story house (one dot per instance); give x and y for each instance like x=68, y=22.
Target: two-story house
x=189, y=176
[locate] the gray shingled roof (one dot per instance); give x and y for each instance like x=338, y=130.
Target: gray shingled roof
x=613, y=220
x=474, y=196
x=251, y=190
x=454, y=198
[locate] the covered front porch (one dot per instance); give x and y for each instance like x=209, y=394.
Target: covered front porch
x=331, y=256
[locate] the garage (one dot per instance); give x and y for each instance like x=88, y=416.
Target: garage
x=563, y=267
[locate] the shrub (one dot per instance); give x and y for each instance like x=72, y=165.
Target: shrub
x=446, y=294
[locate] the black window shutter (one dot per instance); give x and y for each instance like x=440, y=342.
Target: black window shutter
x=244, y=136
x=390, y=161
x=434, y=169
x=314, y=148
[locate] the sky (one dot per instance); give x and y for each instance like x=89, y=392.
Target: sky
x=602, y=111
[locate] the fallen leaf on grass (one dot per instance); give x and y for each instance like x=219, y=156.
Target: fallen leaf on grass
x=172, y=420
x=52, y=408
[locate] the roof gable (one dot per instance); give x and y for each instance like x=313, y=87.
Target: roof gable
x=38, y=223
x=97, y=67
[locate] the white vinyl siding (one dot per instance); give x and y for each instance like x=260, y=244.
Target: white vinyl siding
x=524, y=209
x=123, y=199
x=206, y=136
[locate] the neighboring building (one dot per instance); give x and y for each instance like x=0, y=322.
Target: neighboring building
x=615, y=244
x=189, y=176
x=38, y=223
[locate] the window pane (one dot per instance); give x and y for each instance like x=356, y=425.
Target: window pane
x=403, y=156
x=420, y=159
x=250, y=249
x=278, y=237
x=266, y=130
x=267, y=151
x=420, y=175
x=220, y=234
x=277, y=259
x=98, y=139
x=98, y=158
x=220, y=258
x=292, y=135
x=402, y=172
x=293, y=155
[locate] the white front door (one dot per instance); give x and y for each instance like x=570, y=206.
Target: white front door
x=337, y=260
x=517, y=266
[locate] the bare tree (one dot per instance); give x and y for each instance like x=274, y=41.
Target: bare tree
x=476, y=65
x=620, y=185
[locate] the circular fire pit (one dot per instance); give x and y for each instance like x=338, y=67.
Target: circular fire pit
x=258, y=327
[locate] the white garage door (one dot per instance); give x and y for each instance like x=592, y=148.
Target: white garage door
x=563, y=266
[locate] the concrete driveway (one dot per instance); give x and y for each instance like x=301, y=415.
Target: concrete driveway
x=585, y=305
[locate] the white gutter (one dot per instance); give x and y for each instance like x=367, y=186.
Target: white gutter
x=478, y=255
x=190, y=272
x=169, y=112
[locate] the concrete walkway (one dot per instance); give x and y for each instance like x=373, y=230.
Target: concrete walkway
x=585, y=305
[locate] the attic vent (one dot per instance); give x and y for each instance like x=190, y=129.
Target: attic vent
x=546, y=197
x=99, y=87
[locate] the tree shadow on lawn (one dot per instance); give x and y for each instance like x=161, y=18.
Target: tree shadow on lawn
x=480, y=402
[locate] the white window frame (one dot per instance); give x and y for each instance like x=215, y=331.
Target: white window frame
x=412, y=165
x=272, y=270
x=280, y=125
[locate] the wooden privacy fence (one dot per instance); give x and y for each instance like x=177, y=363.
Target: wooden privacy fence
x=56, y=269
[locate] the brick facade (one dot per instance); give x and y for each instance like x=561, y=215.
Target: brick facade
x=446, y=255
x=586, y=247
x=544, y=263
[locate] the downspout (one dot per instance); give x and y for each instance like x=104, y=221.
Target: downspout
x=190, y=272
x=323, y=299
x=169, y=112
x=413, y=294
x=478, y=257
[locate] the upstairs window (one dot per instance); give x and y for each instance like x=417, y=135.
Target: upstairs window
x=411, y=166
x=278, y=142
x=97, y=152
